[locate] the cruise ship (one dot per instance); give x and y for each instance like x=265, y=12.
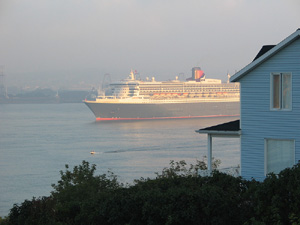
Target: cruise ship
x=135, y=99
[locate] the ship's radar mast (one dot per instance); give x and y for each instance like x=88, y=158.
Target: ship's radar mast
x=228, y=76
x=132, y=76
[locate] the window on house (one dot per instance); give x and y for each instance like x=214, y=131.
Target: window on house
x=279, y=154
x=281, y=91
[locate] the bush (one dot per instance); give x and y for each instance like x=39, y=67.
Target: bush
x=277, y=199
x=176, y=196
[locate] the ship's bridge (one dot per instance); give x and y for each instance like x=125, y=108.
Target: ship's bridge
x=125, y=89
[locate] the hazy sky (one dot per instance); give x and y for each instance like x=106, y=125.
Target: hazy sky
x=63, y=42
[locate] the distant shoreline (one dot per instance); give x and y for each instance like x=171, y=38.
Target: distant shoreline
x=39, y=101
x=45, y=96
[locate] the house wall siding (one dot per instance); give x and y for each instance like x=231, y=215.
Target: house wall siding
x=258, y=121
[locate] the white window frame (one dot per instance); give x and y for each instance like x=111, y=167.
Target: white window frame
x=280, y=108
x=266, y=153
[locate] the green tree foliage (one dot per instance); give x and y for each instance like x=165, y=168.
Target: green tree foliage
x=277, y=199
x=3, y=221
x=176, y=169
x=36, y=211
x=218, y=199
x=178, y=195
x=76, y=192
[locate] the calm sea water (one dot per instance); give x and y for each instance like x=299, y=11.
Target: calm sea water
x=37, y=140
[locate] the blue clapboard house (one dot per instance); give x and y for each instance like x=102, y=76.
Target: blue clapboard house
x=269, y=125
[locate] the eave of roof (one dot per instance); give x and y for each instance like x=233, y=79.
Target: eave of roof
x=265, y=56
x=229, y=128
x=220, y=133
